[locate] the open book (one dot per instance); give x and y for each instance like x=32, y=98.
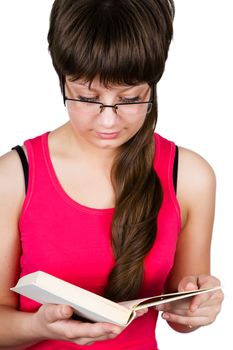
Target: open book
x=45, y=288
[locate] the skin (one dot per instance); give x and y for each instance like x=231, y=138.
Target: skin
x=86, y=153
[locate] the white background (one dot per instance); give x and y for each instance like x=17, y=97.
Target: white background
x=195, y=110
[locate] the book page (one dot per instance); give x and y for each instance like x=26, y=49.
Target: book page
x=164, y=298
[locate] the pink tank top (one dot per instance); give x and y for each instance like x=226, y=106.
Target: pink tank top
x=58, y=234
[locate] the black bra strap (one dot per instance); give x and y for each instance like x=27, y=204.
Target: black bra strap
x=175, y=168
x=24, y=161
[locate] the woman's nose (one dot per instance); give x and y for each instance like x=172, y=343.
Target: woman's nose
x=107, y=117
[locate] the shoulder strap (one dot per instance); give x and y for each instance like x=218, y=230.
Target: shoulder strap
x=24, y=162
x=175, y=168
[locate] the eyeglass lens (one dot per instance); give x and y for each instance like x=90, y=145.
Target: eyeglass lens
x=121, y=110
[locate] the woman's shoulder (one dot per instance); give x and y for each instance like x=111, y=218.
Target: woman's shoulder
x=194, y=168
x=9, y=163
x=196, y=183
x=11, y=180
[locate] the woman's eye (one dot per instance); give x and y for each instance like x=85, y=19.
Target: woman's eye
x=87, y=99
x=130, y=99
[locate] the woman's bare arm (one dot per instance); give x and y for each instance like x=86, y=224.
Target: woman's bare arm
x=14, y=325
x=191, y=270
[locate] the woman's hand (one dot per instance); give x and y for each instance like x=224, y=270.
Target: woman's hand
x=54, y=322
x=196, y=311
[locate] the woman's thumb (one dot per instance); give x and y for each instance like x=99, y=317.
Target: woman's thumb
x=188, y=283
x=55, y=313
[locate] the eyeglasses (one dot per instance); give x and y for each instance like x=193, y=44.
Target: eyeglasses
x=93, y=108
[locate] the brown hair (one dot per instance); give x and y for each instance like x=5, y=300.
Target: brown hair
x=120, y=42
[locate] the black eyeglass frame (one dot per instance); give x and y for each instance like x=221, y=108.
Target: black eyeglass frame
x=103, y=106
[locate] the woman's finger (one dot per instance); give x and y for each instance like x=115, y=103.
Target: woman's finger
x=141, y=312
x=93, y=330
x=91, y=340
x=209, y=298
x=53, y=313
x=187, y=321
x=188, y=283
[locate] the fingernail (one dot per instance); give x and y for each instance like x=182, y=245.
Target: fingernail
x=165, y=316
x=66, y=311
x=191, y=286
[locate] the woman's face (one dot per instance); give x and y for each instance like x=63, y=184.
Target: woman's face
x=107, y=128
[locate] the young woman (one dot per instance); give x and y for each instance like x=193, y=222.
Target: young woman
x=102, y=201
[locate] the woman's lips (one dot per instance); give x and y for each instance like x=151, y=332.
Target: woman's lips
x=107, y=135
